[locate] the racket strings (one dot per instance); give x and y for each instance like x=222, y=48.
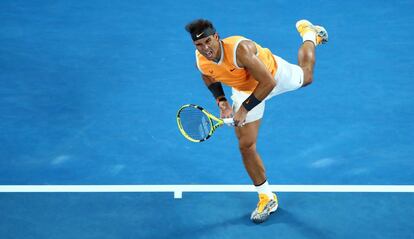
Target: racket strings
x=195, y=123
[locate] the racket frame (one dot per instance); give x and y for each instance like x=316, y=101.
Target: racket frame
x=213, y=121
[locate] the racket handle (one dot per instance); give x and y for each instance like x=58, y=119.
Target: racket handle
x=228, y=121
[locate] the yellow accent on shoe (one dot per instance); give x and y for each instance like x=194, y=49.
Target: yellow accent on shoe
x=304, y=26
x=265, y=207
x=263, y=201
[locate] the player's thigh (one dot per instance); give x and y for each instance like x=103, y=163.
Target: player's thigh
x=247, y=135
x=253, y=115
x=288, y=77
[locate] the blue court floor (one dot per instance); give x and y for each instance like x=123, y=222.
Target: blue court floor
x=88, y=96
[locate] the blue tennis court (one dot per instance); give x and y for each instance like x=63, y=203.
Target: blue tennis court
x=89, y=92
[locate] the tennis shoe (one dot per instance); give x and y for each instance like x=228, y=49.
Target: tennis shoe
x=264, y=208
x=304, y=26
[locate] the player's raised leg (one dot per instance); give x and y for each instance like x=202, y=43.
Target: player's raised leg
x=312, y=36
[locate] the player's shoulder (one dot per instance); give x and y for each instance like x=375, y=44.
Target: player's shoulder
x=238, y=42
x=233, y=39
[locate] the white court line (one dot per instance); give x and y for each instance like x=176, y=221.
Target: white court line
x=179, y=189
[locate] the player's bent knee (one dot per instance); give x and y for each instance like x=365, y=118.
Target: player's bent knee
x=247, y=147
x=307, y=78
x=307, y=81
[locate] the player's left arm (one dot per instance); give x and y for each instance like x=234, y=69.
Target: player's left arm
x=247, y=58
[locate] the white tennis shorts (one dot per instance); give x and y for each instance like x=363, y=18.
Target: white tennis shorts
x=288, y=77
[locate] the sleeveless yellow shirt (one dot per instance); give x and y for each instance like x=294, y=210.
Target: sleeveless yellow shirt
x=228, y=72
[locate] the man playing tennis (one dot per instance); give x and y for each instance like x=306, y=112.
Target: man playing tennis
x=255, y=75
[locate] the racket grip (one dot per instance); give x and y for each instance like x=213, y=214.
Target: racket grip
x=228, y=121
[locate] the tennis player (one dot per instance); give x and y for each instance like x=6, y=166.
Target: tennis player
x=255, y=75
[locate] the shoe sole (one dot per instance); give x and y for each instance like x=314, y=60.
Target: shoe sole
x=322, y=33
x=272, y=210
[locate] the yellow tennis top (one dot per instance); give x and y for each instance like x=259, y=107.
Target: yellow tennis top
x=228, y=72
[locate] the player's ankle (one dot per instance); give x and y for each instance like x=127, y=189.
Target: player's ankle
x=310, y=36
x=264, y=188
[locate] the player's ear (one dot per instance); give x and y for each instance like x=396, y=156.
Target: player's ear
x=216, y=36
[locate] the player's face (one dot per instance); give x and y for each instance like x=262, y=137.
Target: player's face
x=209, y=46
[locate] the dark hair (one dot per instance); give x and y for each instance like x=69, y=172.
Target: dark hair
x=198, y=26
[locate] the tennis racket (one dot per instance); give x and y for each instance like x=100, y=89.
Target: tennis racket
x=197, y=124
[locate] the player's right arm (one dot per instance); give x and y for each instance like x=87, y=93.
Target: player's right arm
x=217, y=90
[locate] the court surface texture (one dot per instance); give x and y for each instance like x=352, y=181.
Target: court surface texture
x=88, y=96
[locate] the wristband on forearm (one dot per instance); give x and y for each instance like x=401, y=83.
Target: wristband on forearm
x=216, y=89
x=251, y=102
x=218, y=100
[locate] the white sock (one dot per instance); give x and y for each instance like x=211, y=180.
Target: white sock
x=264, y=189
x=309, y=36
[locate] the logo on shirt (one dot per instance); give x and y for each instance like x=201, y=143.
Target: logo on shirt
x=232, y=69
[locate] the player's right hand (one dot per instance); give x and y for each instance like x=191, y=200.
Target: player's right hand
x=226, y=110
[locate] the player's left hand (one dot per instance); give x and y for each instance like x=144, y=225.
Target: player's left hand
x=240, y=117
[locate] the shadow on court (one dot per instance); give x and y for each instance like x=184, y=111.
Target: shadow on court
x=242, y=224
x=305, y=228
